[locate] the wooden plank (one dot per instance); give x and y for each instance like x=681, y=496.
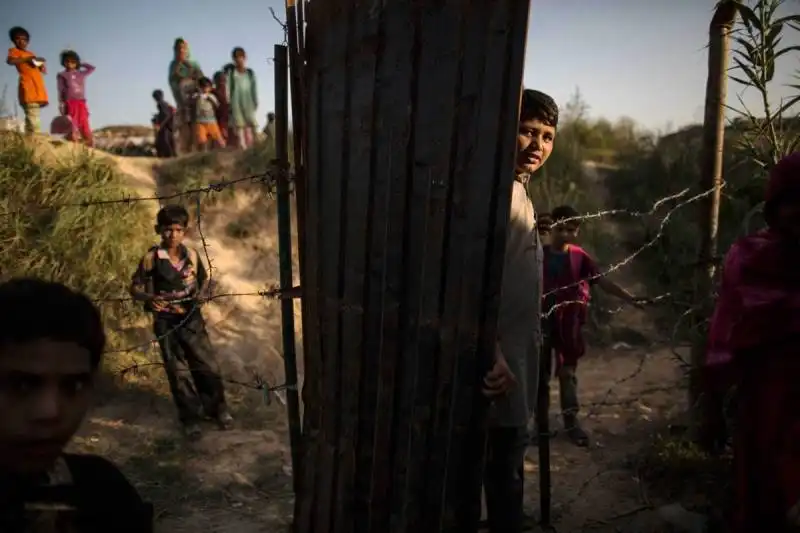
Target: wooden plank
x=383, y=339
x=357, y=210
x=433, y=108
x=332, y=183
x=312, y=356
x=485, y=227
x=408, y=210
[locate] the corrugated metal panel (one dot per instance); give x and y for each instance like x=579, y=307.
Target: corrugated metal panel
x=412, y=110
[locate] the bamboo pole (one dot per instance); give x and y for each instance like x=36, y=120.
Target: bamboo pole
x=711, y=179
x=285, y=251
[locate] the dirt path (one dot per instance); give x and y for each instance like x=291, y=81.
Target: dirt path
x=238, y=481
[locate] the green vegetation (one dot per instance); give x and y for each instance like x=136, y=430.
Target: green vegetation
x=53, y=227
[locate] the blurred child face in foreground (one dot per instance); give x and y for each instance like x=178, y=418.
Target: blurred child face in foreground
x=45, y=391
x=564, y=233
x=172, y=235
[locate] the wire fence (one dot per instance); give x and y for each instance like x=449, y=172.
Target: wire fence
x=664, y=209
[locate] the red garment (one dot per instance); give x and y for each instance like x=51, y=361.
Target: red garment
x=78, y=111
x=754, y=339
x=566, y=300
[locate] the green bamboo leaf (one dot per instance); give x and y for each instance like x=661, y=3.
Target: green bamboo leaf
x=740, y=81
x=773, y=34
x=749, y=72
x=749, y=18
x=782, y=51
x=789, y=19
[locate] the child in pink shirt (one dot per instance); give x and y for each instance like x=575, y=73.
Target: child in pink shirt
x=72, y=94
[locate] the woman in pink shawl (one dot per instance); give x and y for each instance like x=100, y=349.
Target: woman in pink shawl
x=755, y=341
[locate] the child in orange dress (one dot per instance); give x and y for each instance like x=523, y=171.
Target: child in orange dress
x=32, y=91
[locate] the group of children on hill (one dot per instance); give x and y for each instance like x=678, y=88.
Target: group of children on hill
x=74, y=119
x=207, y=113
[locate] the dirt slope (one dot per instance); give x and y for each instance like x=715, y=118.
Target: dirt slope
x=237, y=481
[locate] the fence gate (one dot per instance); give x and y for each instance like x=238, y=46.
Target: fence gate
x=411, y=124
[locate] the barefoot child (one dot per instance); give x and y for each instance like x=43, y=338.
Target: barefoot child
x=224, y=109
x=72, y=94
x=170, y=280
x=568, y=272
x=32, y=91
x=49, y=360
x=242, y=97
x=206, y=105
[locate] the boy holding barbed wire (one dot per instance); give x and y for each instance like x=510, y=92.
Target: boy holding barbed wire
x=171, y=281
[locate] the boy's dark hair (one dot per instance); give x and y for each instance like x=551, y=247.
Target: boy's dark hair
x=238, y=51
x=537, y=105
x=172, y=214
x=34, y=309
x=544, y=221
x=66, y=55
x=158, y=95
x=218, y=74
x=18, y=30
x=204, y=82
x=178, y=42
x=566, y=212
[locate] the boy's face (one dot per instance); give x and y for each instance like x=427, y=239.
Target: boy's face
x=563, y=234
x=70, y=64
x=21, y=41
x=45, y=392
x=172, y=235
x=240, y=59
x=182, y=52
x=534, y=145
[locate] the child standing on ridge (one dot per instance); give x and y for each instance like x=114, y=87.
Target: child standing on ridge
x=163, y=122
x=243, y=97
x=224, y=109
x=32, y=91
x=72, y=94
x=569, y=271
x=206, y=128
x=171, y=280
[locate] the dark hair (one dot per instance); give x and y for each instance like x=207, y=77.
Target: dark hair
x=566, y=212
x=178, y=42
x=237, y=51
x=537, y=105
x=544, y=221
x=270, y=116
x=66, y=55
x=218, y=74
x=204, y=82
x=34, y=309
x=18, y=30
x=158, y=94
x=172, y=214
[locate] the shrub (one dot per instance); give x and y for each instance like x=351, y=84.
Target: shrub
x=54, y=228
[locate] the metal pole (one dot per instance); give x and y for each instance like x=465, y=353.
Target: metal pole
x=543, y=429
x=285, y=252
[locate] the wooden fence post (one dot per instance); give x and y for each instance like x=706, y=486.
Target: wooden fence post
x=411, y=127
